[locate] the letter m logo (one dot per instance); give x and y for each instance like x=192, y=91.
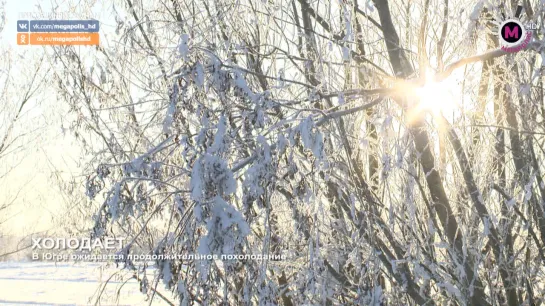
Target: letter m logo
x=514, y=32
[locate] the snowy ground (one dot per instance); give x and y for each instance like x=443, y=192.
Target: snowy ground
x=47, y=283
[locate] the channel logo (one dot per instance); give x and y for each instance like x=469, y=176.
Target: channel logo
x=512, y=31
x=514, y=36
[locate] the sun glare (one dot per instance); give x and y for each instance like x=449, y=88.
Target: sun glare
x=435, y=96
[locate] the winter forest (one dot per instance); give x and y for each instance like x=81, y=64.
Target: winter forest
x=389, y=151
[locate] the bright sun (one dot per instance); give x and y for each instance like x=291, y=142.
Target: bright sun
x=436, y=97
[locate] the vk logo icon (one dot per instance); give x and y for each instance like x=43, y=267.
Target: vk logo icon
x=22, y=26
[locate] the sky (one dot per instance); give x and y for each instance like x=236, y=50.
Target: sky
x=49, y=149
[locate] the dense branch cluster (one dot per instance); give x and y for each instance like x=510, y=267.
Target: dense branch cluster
x=268, y=127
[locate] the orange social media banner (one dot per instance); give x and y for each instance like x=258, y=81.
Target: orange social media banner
x=64, y=39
